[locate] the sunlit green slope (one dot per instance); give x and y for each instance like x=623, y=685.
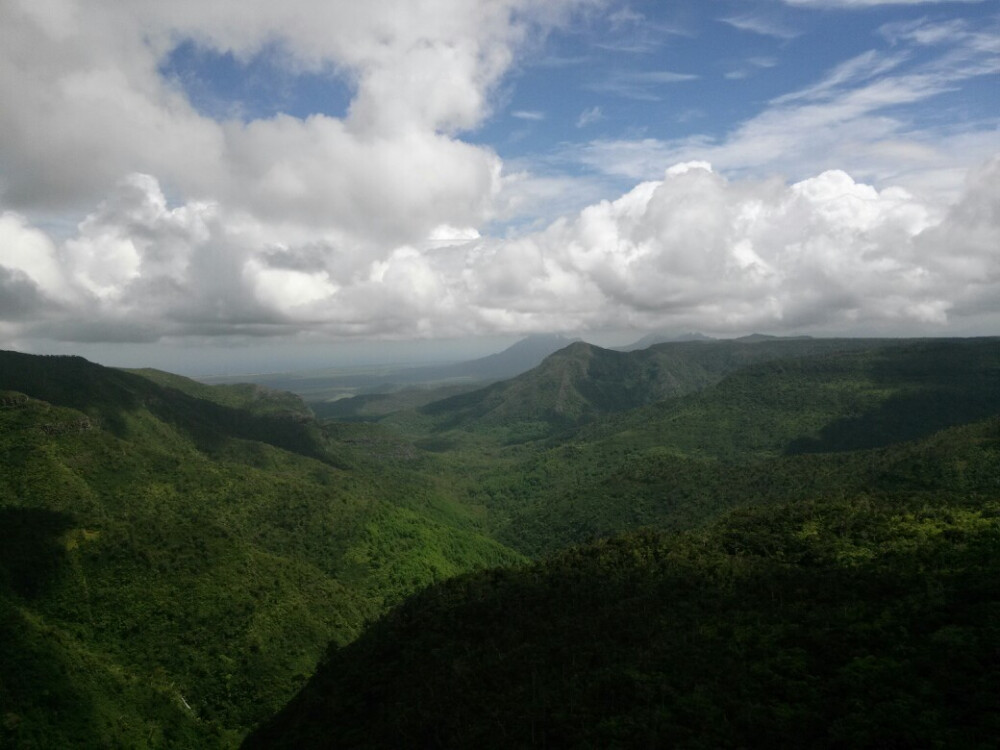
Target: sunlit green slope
x=766, y=432
x=172, y=567
x=174, y=557
x=583, y=382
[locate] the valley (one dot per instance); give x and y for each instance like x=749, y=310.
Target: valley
x=177, y=558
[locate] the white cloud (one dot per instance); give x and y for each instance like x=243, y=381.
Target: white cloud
x=854, y=118
x=589, y=116
x=861, y=69
x=643, y=85
x=693, y=250
x=30, y=253
x=525, y=114
x=368, y=225
x=689, y=250
x=445, y=234
x=750, y=66
x=761, y=24
x=85, y=103
x=626, y=17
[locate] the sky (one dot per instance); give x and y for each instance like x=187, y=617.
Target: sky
x=214, y=186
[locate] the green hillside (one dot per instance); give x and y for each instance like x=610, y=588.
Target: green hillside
x=766, y=432
x=868, y=621
x=175, y=558
x=172, y=567
x=843, y=400
x=583, y=382
x=248, y=396
x=819, y=569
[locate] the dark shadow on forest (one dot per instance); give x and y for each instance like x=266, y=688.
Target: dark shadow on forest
x=31, y=548
x=940, y=385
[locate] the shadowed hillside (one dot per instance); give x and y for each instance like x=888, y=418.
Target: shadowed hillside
x=849, y=600
x=866, y=622
x=108, y=396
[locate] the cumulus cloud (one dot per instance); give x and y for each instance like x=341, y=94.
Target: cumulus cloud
x=695, y=250
x=31, y=253
x=19, y=296
x=85, y=103
x=367, y=225
x=690, y=250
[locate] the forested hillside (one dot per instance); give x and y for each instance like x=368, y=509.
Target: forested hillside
x=583, y=382
x=175, y=558
x=830, y=580
x=781, y=419
x=172, y=567
x=866, y=622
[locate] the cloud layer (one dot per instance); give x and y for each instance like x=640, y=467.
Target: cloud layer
x=692, y=250
x=366, y=225
x=85, y=103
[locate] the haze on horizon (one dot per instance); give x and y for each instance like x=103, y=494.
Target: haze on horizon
x=211, y=186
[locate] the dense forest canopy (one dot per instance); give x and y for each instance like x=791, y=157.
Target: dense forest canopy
x=699, y=544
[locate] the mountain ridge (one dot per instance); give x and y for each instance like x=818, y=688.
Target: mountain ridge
x=174, y=559
x=582, y=382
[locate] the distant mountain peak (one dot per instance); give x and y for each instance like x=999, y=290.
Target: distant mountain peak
x=755, y=337
x=577, y=346
x=664, y=337
x=517, y=358
x=534, y=341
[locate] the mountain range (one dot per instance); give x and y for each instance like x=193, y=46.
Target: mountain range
x=758, y=542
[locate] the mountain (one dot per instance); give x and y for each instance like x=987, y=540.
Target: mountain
x=660, y=337
x=769, y=431
x=250, y=397
x=521, y=357
x=172, y=566
x=582, y=382
x=109, y=397
x=754, y=338
x=867, y=620
x=368, y=393
x=825, y=398
x=517, y=358
x=786, y=539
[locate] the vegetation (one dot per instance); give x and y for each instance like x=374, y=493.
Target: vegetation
x=583, y=382
x=181, y=564
x=768, y=431
x=247, y=396
x=868, y=622
x=764, y=542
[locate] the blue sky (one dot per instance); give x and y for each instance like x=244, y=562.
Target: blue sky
x=237, y=178
x=659, y=69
